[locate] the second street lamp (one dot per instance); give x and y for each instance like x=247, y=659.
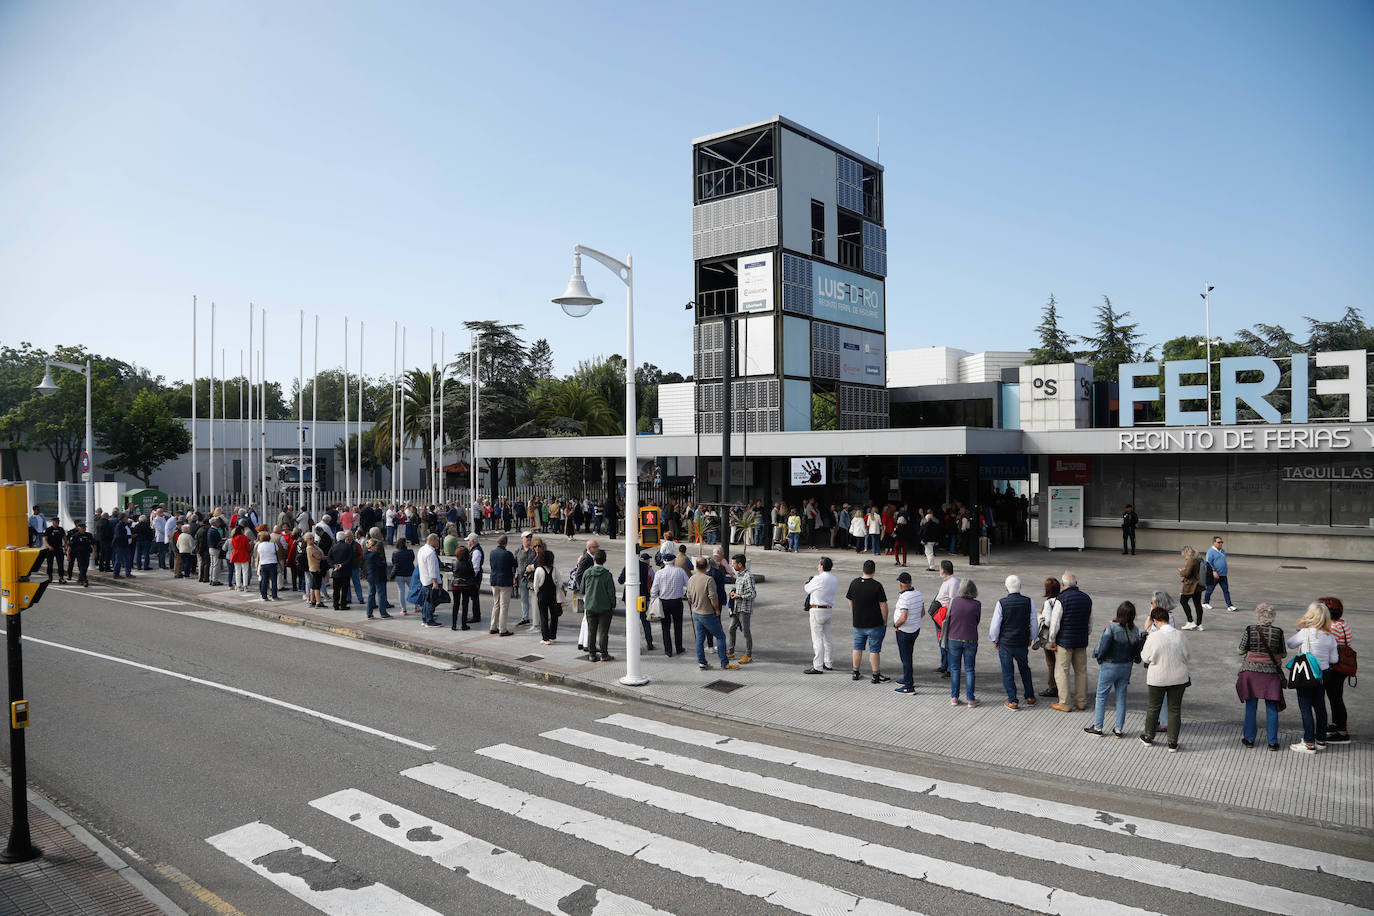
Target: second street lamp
x=47, y=388
x=577, y=302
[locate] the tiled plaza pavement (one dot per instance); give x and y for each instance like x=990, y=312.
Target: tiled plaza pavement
x=1333, y=787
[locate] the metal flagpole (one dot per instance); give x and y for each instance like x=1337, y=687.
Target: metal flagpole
x=359, y=500
x=243, y=458
x=402, y=472
x=249, y=394
x=211, y=503
x=300, y=417
x=395, y=332
x=477, y=416
x=195, y=475
x=443, y=365
x=223, y=422
x=314, y=424
x=433, y=480
x=348, y=467
x=262, y=417
x=472, y=427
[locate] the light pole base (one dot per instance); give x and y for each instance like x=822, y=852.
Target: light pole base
x=639, y=681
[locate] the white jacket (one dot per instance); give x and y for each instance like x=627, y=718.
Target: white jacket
x=1322, y=645
x=856, y=527
x=1166, y=652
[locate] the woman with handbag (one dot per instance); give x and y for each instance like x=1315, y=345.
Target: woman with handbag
x=1166, y=656
x=1333, y=682
x=1048, y=611
x=1316, y=652
x=402, y=568
x=1260, y=677
x=1189, y=588
x=463, y=586
x=548, y=592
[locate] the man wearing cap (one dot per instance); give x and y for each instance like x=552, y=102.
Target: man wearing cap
x=906, y=621
x=80, y=545
x=475, y=550
x=525, y=561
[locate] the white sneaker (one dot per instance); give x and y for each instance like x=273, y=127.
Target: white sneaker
x=1206, y=607
x=1189, y=626
x=1199, y=628
x=1232, y=608
x=1302, y=748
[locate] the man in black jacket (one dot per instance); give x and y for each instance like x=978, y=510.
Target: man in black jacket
x=1128, y=522
x=341, y=557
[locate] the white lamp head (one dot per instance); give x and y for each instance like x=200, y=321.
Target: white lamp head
x=47, y=387
x=577, y=301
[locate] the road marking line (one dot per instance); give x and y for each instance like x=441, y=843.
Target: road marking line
x=953, y=875
x=232, y=618
x=551, y=688
x=310, y=875
x=791, y=892
x=541, y=886
x=1176, y=834
x=237, y=691
x=1128, y=867
x=198, y=890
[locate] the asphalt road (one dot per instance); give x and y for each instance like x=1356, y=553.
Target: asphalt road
x=163, y=764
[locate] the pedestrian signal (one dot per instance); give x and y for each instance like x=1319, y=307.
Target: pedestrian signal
x=14, y=516
x=650, y=526
x=17, y=564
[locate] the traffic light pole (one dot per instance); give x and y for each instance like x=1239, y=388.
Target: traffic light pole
x=20, y=847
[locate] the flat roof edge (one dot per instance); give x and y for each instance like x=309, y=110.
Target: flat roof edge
x=793, y=125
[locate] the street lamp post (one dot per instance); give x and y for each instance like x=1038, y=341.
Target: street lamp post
x=577, y=302
x=48, y=387
x=1207, y=309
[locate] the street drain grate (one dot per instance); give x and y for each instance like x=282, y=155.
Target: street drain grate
x=530, y=658
x=723, y=686
x=1292, y=567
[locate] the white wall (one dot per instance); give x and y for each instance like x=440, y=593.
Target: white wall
x=807, y=171
x=988, y=365
x=924, y=366
x=677, y=408
x=1056, y=396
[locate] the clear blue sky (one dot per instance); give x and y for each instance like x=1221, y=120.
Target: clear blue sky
x=435, y=163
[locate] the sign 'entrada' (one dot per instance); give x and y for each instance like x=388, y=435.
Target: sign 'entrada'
x=1255, y=394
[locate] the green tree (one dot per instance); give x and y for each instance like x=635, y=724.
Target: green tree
x=231, y=399
x=541, y=360
x=1115, y=342
x=144, y=438
x=1056, y=345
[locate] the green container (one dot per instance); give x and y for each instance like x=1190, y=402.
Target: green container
x=144, y=500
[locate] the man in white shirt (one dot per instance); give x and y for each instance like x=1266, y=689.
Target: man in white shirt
x=427, y=564
x=820, y=607
x=949, y=589
x=160, y=520
x=906, y=620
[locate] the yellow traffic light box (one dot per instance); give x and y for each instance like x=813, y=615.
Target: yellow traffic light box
x=650, y=526
x=14, y=516
x=17, y=564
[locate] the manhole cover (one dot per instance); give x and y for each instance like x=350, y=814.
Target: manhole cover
x=530, y=658
x=723, y=686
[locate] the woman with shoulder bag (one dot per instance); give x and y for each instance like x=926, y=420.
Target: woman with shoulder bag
x=1260, y=678
x=1189, y=588
x=1166, y=654
x=402, y=568
x=463, y=585
x=1049, y=610
x=1315, y=641
x=1333, y=682
x=549, y=594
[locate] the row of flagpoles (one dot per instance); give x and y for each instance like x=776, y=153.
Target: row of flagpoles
x=253, y=448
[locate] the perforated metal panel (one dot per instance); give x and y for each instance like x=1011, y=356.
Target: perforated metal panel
x=708, y=350
x=825, y=350
x=796, y=285
x=754, y=405
x=849, y=183
x=875, y=248
x=746, y=222
x=863, y=408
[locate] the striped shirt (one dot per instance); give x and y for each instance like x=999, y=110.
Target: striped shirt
x=1341, y=630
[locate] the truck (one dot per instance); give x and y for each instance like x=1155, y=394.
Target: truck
x=290, y=479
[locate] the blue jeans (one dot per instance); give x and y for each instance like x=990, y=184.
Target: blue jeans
x=390, y=534
x=709, y=623
x=962, y=653
x=1312, y=705
x=426, y=604
x=793, y=541
x=1271, y=720
x=953, y=543
x=906, y=643
x=123, y=559
x=875, y=544
x=142, y=552
x=1112, y=675
x=1225, y=591
x=1012, y=658
x=358, y=584
x=161, y=550
x=376, y=596
x=267, y=577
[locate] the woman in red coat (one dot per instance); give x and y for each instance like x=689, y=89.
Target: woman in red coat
x=240, y=554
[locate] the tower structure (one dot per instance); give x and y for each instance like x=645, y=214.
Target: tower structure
x=790, y=255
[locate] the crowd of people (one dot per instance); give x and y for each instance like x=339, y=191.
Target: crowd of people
x=437, y=558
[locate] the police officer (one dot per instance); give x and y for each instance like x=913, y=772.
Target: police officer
x=53, y=536
x=80, y=544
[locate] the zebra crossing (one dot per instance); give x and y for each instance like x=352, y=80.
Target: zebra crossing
x=965, y=847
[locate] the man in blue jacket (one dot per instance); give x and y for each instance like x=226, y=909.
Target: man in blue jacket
x=1069, y=632
x=1216, y=558
x=502, y=567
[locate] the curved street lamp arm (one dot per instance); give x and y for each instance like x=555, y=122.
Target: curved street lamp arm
x=73, y=366
x=619, y=268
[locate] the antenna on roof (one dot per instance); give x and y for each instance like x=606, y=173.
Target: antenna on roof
x=879, y=158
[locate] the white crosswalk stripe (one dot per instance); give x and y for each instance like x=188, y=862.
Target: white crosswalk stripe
x=1177, y=834
x=310, y=875
x=541, y=886
x=1131, y=867
x=801, y=895
x=954, y=875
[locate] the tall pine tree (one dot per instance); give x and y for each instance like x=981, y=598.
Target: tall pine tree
x=1115, y=342
x=1056, y=345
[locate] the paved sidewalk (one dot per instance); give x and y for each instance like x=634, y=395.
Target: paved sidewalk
x=77, y=875
x=1334, y=787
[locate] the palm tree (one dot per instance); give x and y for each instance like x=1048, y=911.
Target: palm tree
x=414, y=391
